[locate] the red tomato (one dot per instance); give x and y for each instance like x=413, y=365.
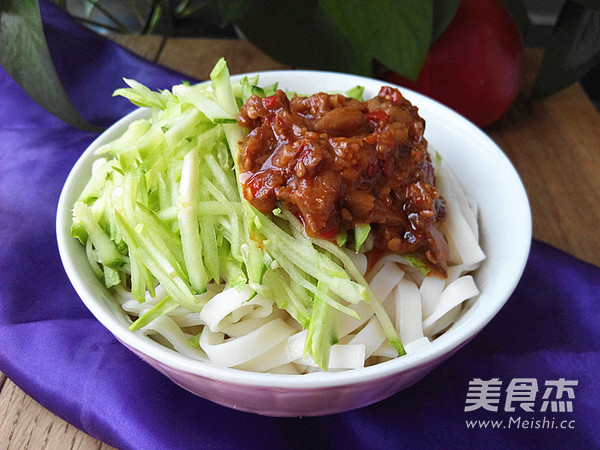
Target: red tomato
x=475, y=67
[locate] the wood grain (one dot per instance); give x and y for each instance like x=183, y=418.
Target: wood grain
x=554, y=144
x=197, y=57
x=27, y=425
x=147, y=47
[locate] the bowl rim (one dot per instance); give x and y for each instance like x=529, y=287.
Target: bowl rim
x=440, y=348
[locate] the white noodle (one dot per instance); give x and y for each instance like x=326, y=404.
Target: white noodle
x=231, y=305
x=347, y=324
x=459, y=231
x=349, y=356
x=176, y=337
x=371, y=336
x=286, y=369
x=251, y=333
x=453, y=295
x=286, y=351
x=414, y=346
x=386, y=279
x=408, y=311
x=232, y=352
x=431, y=288
x=386, y=350
x=443, y=322
x=359, y=260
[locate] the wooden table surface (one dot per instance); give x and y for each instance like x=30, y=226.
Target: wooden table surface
x=554, y=144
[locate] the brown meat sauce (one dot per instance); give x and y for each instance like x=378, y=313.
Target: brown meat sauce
x=336, y=162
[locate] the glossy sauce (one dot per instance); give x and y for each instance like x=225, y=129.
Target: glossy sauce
x=336, y=162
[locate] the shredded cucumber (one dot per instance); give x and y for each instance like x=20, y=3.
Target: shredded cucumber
x=321, y=331
x=361, y=232
x=164, y=205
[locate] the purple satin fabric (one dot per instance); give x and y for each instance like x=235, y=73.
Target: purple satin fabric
x=54, y=350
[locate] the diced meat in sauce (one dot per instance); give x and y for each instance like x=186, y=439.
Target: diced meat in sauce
x=336, y=162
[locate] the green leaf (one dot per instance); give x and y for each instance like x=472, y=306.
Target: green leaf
x=26, y=58
x=398, y=34
x=89, y=8
x=518, y=11
x=573, y=49
x=443, y=13
x=230, y=11
x=154, y=20
x=302, y=35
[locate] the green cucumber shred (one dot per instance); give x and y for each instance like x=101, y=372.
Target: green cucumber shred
x=164, y=205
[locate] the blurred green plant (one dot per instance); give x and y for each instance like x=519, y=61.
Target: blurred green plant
x=354, y=36
x=151, y=16
x=25, y=56
x=573, y=48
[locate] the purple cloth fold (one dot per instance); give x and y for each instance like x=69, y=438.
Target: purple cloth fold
x=53, y=348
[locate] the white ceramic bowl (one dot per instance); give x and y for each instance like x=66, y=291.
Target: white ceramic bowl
x=505, y=220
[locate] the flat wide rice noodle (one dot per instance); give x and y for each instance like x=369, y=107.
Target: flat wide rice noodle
x=291, y=350
x=416, y=345
x=232, y=352
x=455, y=293
x=371, y=336
x=248, y=325
x=451, y=188
x=431, y=288
x=443, y=322
x=408, y=311
x=347, y=324
x=384, y=261
x=463, y=241
x=235, y=304
x=286, y=351
x=286, y=369
x=342, y=357
x=455, y=272
x=359, y=260
x=179, y=340
x=386, y=350
x=385, y=280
